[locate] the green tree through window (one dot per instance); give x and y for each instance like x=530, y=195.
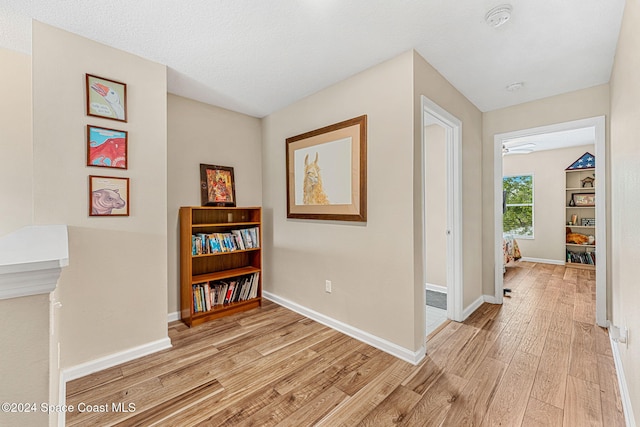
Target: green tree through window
x=517, y=219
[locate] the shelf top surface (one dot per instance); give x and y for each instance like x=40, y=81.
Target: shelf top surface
x=580, y=170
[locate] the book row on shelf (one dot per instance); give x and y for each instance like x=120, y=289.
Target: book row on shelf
x=581, y=257
x=208, y=295
x=236, y=240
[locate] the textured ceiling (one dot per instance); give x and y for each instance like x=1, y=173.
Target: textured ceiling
x=256, y=57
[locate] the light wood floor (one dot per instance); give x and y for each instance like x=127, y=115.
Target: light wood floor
x=538, y=360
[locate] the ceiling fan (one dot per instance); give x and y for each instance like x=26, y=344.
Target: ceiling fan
x=524, y=148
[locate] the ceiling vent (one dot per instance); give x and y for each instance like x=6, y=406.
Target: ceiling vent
x=499, y=15
x=513, y=87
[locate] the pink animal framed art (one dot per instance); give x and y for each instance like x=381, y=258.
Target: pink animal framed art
x=106, y=98
x=327, y=172
x=108, y=196
x=106, y=147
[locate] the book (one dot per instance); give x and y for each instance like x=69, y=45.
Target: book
x=227, y=298
x=238, y=237
x=255, y=236
x=207, y=296
x=247, y=238
x=214, y=244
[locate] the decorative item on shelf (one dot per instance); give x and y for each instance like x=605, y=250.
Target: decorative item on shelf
x=106, y=98
x=327, y=172
x=588, y=181
x=108, y=196
x=588, y=222
x=576, y=238
x=586, y=161
x=217, y=186
x=574, y=219
x=572, y=202
x=584, y=199
x=592, y=240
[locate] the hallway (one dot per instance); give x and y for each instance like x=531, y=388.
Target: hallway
x=538, y=360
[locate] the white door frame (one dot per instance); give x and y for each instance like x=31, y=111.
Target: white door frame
x=453, y=135
x=598, y=123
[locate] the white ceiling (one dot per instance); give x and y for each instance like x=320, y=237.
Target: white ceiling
x=256, y=56
x=554, y=140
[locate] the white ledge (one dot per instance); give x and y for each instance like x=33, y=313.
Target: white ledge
x=31, y=260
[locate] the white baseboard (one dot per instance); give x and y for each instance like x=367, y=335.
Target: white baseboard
x=622, y=384
x=105, y=362
x=472, y=307
x=377, y=342
x=435, y=288
x=543, y=261
x=491, y=299
x=171, y=317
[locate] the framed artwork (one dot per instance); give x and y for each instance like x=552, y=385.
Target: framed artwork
x=106, y=98
x=584, y=199
x=217, y=186
x=108, y=196
x=327, y=172
x=106, y=147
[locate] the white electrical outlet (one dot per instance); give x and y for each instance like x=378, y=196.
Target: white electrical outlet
x=327, y=286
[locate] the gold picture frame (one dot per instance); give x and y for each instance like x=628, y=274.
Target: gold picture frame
x=584, y=199
x=327, y=172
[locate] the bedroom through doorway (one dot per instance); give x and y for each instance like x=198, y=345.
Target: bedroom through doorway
x=528, y=139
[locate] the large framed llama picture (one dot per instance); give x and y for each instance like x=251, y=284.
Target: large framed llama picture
x=327, y=172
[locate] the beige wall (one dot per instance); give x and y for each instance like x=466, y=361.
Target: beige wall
x=436, y=205
x=24, y=357
x=376, y=268
x=428, y=82
x=586, y=103
x=113, y=292
x=549, y=198
x=625, y=194
x=200, y=133
x=370, y=264
x=15, y=141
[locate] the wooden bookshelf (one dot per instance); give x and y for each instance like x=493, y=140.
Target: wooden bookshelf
x=211, y=269
x=573, y=186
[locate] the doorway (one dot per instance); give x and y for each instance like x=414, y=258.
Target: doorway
x=442, y=208
x=597, y=124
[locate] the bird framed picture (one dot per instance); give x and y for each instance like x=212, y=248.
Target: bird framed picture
x=327, y=172
x=106, y=98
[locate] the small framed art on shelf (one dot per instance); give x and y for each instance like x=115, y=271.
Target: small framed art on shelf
x=217, y=186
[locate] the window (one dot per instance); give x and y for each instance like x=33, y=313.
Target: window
x=517, y=219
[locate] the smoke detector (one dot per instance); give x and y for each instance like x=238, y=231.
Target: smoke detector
x=514, y=86
x=499, y=15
